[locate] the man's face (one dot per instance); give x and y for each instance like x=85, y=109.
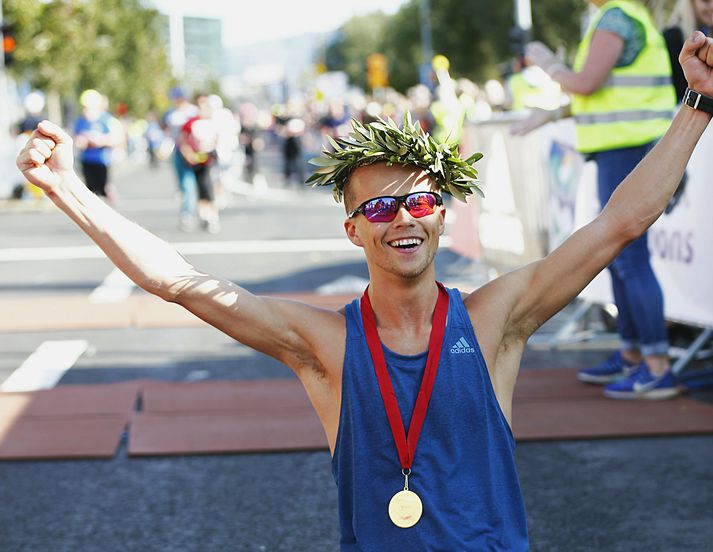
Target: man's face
x=384, y=243
x=704, y=11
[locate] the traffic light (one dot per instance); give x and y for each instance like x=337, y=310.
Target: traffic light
x=8, y=42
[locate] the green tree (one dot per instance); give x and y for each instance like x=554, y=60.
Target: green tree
x=65, y=46
x=557, y=23
x=354, y=41
x=402, y=46
x=473, y=34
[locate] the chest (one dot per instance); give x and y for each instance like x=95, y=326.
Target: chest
x=405, y=341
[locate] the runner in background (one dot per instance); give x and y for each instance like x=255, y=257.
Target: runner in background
x=172, y=122
x=96, y=134
x=197, y=144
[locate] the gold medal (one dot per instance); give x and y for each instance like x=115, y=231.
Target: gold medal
x=405, y=509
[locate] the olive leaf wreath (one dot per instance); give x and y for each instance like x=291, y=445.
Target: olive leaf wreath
x=384, y=141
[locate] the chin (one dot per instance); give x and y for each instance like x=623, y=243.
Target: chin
x=410, y=271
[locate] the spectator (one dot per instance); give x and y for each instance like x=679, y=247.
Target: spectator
x=622, y=64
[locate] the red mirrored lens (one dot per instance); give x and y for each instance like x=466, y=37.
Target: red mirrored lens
x=420, y=204
x=381, y=209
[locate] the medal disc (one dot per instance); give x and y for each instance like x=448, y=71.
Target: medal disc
x=405, y=509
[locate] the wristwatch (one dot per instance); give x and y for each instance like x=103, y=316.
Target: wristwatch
x=696, y=100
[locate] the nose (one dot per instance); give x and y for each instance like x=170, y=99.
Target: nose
x=403, y=217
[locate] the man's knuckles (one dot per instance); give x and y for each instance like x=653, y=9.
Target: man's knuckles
x=45, y=147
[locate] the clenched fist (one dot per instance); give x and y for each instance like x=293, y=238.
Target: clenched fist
x=697, y=62
x=47, y=157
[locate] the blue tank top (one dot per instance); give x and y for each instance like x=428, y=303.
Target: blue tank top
x=464, y=467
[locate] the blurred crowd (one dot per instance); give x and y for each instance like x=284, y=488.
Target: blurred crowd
x=214, y=144
x=211, y=144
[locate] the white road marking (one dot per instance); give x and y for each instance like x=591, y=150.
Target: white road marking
x=115, y=288
x=45, y=367
x=191, y=248
x=343, y=284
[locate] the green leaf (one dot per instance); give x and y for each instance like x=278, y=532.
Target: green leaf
x=477, y=156
x=324, y=161
x=333, y=143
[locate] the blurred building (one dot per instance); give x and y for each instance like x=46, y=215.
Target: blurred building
x=275, y=69
x=195, y=43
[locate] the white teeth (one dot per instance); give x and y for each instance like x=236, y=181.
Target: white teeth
x=405, y=242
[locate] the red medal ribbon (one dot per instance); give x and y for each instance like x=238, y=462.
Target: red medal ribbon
x=406, y=446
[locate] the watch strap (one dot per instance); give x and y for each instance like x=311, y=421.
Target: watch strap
x=696, y=100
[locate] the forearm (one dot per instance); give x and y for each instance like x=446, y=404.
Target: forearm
x=643, y=195
x=575, y=83
x=149, y=261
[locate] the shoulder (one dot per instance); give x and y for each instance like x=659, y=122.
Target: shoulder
x=617, y=21
x=80, y=124
x=188, y=125
x=110, y=122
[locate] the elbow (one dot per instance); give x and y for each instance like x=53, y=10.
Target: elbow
x=588, y=87
x=630, y=232
x=620, y=229
x=160, y=289
x=625, y=230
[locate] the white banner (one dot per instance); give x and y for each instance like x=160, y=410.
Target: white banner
x=680, y=242
x=522, y=176
x=511, y=220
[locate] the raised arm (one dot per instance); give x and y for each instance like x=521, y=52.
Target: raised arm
x=531, y=295
x=290, y=332
x=606, y=47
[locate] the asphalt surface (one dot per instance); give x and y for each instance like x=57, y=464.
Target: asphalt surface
x=605, y=495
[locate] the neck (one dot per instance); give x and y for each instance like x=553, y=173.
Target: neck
x=404, y=305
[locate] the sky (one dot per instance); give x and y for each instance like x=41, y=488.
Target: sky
x=246, y=22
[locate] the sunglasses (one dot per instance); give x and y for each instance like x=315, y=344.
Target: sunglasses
x=384, y=208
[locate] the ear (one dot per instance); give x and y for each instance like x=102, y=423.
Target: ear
x=352, y=233
x=442, y=221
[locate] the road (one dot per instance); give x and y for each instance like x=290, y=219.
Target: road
x=633, y=494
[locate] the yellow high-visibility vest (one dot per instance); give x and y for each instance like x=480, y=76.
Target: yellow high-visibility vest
x=635, y=105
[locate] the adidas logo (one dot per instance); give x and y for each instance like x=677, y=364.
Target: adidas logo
x=462, y=346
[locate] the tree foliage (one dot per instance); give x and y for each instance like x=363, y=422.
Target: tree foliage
x=66, y=46
x=355, y=40
x=473, y=34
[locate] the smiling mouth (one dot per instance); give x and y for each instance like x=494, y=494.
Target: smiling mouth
x=406, y=243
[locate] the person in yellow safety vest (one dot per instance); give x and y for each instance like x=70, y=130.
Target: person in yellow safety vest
x=623, y=102
x=530, y=87
x=448, y=116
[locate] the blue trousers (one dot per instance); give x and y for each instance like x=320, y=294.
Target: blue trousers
x=187, y=184
x=637, y=292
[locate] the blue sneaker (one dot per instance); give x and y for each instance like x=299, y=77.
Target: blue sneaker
x=642, y=384
x=611, y=369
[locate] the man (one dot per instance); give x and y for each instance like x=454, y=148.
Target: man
x=455, y=488
x=172, y=122
x=96, y=134
x=197, y=143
